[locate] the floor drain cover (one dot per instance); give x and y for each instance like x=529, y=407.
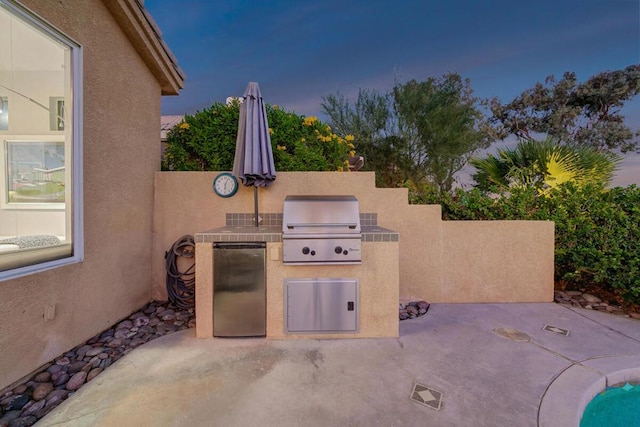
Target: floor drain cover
x=427, y=396
x=556, y=330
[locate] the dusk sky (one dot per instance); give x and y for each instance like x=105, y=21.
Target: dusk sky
x=300, y=51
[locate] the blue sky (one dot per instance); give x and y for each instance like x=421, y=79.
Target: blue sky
x=301, y=51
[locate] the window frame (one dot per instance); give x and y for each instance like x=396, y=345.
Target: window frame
x=77, y=211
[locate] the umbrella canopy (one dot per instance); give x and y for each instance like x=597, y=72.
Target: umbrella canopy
x=253, y=163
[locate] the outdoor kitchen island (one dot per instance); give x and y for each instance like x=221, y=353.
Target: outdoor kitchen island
x=377, y=276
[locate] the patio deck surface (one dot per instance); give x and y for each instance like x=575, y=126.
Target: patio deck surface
x=461, y=364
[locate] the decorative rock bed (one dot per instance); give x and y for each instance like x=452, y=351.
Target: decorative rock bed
x=25, y=403
x=591, y=302
x=413, y=309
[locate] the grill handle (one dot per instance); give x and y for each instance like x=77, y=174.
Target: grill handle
x=322, y=224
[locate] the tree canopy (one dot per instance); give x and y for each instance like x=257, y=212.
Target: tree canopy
x=586, y=113
x=421, y=131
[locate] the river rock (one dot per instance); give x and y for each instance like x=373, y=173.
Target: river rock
x=42, y=377
x=18, y=402
x=168, y=317
x=182, y=316
x=93, y=373
x=423, y=305
x=33, y=409
x=56, y=396
x=121, y=333
x=63, y=361
x=24, y=421
x=8, y=417
x=76, y=381
x=20, y=389
x=95, y=361
x=76, y=367
x=116, y=342
x=411, y=309
x=59, y=378
x=82, y=351
x=591, y=298
x=94, y=351
x=54, y=368
x=136, y=315
x=125, y=324
x=107, y=334
x=141, y=321
x=41, y=391
x=135, y=342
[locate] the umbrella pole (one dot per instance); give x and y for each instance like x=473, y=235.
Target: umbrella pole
x=255, y=203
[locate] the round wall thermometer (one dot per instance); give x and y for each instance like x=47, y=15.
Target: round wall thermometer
x=225, y=184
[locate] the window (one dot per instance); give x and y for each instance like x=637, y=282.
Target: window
x=40, y=145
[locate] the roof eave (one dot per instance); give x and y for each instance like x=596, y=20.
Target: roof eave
x=146, y=37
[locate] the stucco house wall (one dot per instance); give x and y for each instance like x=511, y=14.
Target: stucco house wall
x=123, y=84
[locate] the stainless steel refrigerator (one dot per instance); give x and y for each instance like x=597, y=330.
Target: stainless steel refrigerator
x=239, y=289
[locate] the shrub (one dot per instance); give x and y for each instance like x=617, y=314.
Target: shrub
x=597, y=231
x=207, y=141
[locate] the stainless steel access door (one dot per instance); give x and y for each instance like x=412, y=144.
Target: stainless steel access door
x=321, y=305
x=239, y=289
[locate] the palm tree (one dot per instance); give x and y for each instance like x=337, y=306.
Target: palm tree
x=544, y=165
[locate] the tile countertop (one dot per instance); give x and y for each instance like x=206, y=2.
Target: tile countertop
x=243, y=233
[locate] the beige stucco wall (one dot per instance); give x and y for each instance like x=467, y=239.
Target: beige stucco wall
x=497, y=261
x=378, y=291
x=440, y=261
x=121, y=116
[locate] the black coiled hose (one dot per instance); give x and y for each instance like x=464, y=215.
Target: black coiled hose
x=181, y=284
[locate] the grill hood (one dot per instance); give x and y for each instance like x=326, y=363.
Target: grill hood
x=321, y=230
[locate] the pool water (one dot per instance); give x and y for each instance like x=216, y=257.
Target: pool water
x=619, y=406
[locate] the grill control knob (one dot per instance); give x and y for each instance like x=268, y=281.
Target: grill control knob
x=305, y=250
x=338, y=249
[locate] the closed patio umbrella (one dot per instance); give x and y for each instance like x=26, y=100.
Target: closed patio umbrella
x=253, y=163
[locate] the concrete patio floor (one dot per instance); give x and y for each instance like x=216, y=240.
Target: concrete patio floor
x=493, y=364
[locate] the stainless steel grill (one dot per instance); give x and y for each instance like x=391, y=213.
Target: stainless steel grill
x=321, y=230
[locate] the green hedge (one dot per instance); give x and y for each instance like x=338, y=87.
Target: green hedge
x=206, y=141
x=597, y=231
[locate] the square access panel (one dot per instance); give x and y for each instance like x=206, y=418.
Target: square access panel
x=321, y=305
